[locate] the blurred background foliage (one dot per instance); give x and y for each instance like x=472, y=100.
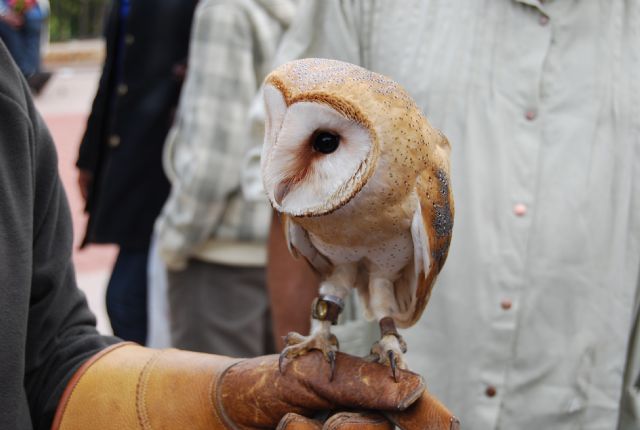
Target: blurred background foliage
x=77, y=19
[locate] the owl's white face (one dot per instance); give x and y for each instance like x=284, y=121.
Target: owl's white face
x=313, y=155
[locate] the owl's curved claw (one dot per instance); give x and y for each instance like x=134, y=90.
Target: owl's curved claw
x=393, y=362
x=331, y=356
x=291, y=339
x=389, y=350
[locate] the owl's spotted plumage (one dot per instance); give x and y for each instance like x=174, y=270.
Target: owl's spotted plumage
x=362, y=181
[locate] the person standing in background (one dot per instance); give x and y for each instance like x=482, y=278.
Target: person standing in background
x=120, y=157
x=211, y=239
x=21, y=23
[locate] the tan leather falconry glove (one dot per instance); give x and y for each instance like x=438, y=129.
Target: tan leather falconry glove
x=131, y=387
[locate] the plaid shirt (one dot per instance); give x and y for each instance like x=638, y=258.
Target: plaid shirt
x=230, y=53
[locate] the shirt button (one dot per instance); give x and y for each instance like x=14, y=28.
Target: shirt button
x=543, y=20
x=114, y=140
x=520, y=209
x=530, y=115
x=490, y=391
x=129, y=39
x=506, y=304
x=122, y=89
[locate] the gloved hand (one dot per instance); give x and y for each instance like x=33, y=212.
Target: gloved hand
x=129, y=386
x=427, y=413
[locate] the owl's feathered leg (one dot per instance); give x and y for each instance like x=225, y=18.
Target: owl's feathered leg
x=391, y=347
x=325, y=311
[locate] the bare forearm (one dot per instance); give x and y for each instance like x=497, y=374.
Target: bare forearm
x=292, y=286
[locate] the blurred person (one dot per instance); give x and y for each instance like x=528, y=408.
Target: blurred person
x=534, y=321
x=212, y=240
x=58, y=372
x=120, y=156
x=21, y=24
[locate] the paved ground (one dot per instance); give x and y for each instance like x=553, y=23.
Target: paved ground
x=65, y=105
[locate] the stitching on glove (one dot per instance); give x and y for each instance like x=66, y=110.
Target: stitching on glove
x=215, y=399
x=141, y=391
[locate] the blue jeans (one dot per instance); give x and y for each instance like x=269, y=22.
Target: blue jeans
x=127, y=296
x=24, y=43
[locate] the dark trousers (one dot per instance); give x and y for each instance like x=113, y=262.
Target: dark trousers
x=127, y=296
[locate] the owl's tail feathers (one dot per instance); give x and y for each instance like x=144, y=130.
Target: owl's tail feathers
x=424, y=285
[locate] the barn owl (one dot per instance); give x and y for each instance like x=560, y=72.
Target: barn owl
x=361, y=181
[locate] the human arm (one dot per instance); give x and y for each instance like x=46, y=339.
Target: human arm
x=131, y=386
x=85, y=177
x=289, y=280
x=61, y=332
x=47, y=328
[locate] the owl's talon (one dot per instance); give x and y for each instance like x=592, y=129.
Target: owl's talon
x=393, y=362
x=331, y=356
x=291, y=339
x=389, y=350
x=281, y=362
x=297, y=345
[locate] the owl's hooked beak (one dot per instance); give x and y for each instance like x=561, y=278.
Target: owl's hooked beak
x=281, y=191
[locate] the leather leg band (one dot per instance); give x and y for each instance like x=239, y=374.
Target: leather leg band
x=327, y=308
x=388, y=327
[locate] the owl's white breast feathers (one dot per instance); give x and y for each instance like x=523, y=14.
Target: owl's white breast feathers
x=401, y=258
x=385, y=258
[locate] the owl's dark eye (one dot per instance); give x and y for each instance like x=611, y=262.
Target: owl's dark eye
x=325, y=141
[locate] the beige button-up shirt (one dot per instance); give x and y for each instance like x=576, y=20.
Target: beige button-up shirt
x=530, y=322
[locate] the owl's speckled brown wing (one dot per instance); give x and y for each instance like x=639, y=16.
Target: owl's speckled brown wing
x=431, y=232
